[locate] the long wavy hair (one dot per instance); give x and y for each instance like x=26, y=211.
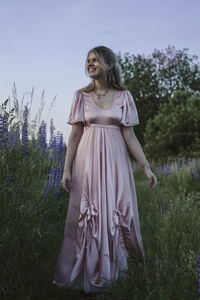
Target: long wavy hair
x=113, y=77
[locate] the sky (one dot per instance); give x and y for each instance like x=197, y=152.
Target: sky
x=44, y=43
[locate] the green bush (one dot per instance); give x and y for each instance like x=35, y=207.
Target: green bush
x=174, y=130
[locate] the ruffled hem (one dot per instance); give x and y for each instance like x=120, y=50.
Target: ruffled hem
x=89, y=256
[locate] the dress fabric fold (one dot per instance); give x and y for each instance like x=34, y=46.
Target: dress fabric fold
x=102, y=227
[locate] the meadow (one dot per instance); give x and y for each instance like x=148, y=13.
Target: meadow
x=33, y=208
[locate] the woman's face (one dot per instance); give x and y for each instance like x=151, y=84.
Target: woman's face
x=93, y=66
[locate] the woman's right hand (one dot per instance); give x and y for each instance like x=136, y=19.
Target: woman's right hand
x=66, y=181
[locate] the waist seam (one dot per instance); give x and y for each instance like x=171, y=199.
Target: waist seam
x=103, y=126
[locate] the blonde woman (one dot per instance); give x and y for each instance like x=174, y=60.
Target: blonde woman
x=102, y=228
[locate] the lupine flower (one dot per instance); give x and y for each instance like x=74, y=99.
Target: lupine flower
x=14, y=137
x=159, y=170
x=53, y=155
x=58, y=180
x=182, y=161
x=3, y=131
x=5, y=126
x=189, y=160
x=62, y=160
x=42, y=137
x=52, y=177
x=53, y=148
x=53, y=143
x=25, y=132
x=57, y=146
x=50, y=182
x=195, y=174
x=167, y=169
x=52, y=128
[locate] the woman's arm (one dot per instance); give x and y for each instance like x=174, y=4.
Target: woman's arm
x=74, y=139
x=136, y=150
x=134, y=145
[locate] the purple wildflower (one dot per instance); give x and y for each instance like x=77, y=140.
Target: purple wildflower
x=182, y=161
x=50, y=182
x=42, y=137
x=167, y=169
x=25, y=132
x=58, y=180
x=15, y=136
x=3, y=131
x=5, y=125
x=159, y=170
x=61, y=146
x=52, y=128
x=195, y=174
x=62, y=160
x=53, y=150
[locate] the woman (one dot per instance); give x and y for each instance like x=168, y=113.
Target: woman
x=102, y=226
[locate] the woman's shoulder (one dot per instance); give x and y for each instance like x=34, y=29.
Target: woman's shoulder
x=85, y=92
x=82, y=91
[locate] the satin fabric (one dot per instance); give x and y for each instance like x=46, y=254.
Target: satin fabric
x=102, y=226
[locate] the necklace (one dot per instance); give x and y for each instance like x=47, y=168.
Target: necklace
x=99, y=96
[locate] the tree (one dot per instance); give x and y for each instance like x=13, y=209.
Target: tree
x=154, y=80
x=174, y=130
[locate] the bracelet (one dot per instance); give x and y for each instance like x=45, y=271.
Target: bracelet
x=146, y=165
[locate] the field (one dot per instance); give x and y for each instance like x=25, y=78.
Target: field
x=33, y=209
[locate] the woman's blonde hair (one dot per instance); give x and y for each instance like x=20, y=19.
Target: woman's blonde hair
x=113, y=77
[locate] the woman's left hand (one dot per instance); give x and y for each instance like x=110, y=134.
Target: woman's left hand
x=152, y=179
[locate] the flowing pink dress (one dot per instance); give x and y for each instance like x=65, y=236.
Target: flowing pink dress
x=102, y=226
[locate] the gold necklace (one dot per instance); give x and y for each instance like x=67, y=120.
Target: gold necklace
x=99, y=96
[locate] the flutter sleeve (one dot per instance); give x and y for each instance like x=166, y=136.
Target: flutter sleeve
x=129, y=111
x=77, y=109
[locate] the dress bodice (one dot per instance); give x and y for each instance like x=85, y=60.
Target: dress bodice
x=123, y=110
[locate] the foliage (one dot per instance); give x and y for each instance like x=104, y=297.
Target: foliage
x=153, y=80
x=174, y=130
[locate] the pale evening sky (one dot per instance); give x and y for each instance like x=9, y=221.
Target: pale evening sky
x=43, y=43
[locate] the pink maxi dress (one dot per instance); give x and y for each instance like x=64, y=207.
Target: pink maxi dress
x=102, y=226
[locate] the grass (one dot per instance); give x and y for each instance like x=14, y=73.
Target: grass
x=32, y=227
x=29, y=244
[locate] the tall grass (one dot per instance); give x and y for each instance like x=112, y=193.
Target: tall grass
x=33, y=209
